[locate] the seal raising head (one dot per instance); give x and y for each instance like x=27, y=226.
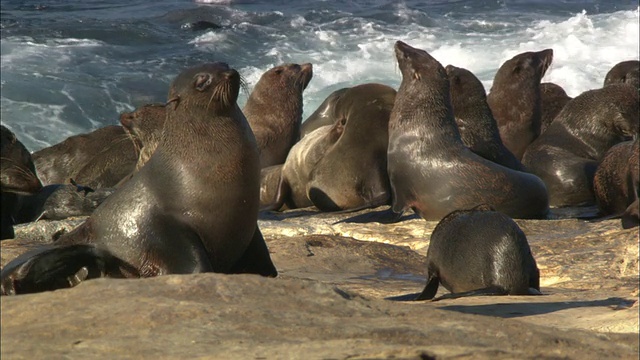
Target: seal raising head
x=192, y=208
x=430, y=169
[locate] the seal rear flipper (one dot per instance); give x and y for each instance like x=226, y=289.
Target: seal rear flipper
x=59, y=267
x=256, y=259
x=490, y=291
x=430, y=289
x=268, y=200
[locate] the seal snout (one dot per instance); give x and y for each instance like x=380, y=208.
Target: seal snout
x=546, y=57
x=126, y=120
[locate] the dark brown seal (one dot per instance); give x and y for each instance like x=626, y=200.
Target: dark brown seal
x=566, y=156
x=100, y=158
x=324, y=114
x=478, y=128
x=174, y=215
x=352, y=173
x=480, y=251
x=17, y=176
x=514, y=98
x=274, y=110
x=617, y=179
x=625, y=72
x=430, y=169
x=553, y=98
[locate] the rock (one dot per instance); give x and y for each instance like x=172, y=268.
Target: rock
x=341, y=293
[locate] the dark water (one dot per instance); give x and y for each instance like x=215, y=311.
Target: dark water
x=72, y=66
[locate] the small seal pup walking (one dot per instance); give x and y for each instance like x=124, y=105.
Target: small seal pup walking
x=430, y=169
x=479, y=251
x=192, y=208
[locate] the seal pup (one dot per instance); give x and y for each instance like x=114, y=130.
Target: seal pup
x=616, y=182
x=324, y=114
x=478, y=128
x=553, y=98
x=100, y=158
x=514, y=98
x=430, y=169
x=566, y=156
x=173, y=216
x=479, y=251
x=17, y=176
x=352, y=173
x=626, y=72
x=274, y=110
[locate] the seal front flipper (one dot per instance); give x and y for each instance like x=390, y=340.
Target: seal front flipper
x=60, y=267
x=256, y=259
x=490, y=291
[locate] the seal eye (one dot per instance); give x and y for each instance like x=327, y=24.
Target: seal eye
x=203, y=81
x=278, y=71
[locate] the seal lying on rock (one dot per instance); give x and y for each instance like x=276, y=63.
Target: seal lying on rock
x=192, y=208
x=430, y=169
x=478, y=128
x=274, y=110
x=514, y=98
x=480, y=251
x=100, y=158
x=566, y=156
x=342, y=166
x=17, y=176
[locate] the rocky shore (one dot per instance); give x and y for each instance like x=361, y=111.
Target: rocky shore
x=341, y=294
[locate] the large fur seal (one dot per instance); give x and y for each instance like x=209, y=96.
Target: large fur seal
x=616, y=182
x=192, y=208
x=324, y=114
x=17, y=176
x=478, y=128
x=480, y=251
x=430, y=169
x=625, y=72
x=352, y=174
x=553, y=98
x=100, y=158
x=514, y=98
x=274, y=110
x=343, y=166
x=565, y=157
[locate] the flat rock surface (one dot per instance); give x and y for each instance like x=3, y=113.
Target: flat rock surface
x=342, y=292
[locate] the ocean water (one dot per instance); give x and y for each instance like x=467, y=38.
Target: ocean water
x=69, y=67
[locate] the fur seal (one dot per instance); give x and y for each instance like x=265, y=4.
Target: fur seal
x=352, y=173
x=514, y=98
x=17, y=176
x=566, y=156
x=173, y=216
x=324, y=114
x=430, y=169
x=144, y=126
x=626, y=72
x=100, y=158
x=274, y=110
x=616, y=182
x=478, y=128
x=480, y=251
x=553, y=98
x=296, y=171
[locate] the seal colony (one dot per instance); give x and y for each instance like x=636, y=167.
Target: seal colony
x=189, y=201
